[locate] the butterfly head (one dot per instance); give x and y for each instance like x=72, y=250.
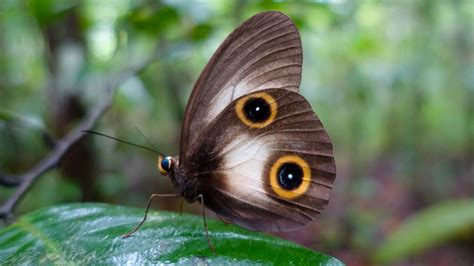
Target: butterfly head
x=165, y=164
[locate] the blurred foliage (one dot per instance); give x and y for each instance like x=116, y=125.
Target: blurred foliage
x=427, y=228
x=392, y=82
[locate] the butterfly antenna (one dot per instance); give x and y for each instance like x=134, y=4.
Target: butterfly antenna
x=123, y=141
x=147, y=140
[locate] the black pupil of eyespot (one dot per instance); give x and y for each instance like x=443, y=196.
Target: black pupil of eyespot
x=165, y=164
x=257, y=110
x=290, y=176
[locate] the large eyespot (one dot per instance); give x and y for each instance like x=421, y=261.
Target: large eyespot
x=164, y=164
x=256, y=110
x=290, y=176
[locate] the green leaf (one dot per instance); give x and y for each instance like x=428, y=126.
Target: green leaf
x=91, y=234
x=428, y=228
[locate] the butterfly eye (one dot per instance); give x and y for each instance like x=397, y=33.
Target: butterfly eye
x=257, y=110
x=290, y=176
x=164, y=164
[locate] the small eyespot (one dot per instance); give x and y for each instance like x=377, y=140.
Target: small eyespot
x=256, y=110
x=164, y=164
x=290, y=176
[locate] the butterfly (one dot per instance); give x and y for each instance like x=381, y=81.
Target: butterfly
x=252, y=149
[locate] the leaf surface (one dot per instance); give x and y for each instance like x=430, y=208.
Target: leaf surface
x=91, y=233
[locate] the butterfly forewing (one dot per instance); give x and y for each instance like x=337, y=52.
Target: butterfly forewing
x=265, y=162
x=264, y=52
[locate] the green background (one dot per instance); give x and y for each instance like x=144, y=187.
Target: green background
x=393, y=83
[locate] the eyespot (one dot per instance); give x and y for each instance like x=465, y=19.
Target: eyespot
x=290, y=176
x=164, y=164
x=256, y=110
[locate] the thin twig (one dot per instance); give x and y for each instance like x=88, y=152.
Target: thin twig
x=63, y=145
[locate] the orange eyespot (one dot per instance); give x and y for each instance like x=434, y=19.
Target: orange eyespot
x=164, y=164
x=290, y=176
x=257, y=110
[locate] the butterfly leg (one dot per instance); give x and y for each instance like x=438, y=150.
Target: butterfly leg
x=181, y=207
x=222, y=219
x=146, y=211
x=201, y=199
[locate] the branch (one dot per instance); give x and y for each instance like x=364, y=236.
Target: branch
x=62, y=146
x=9, y=181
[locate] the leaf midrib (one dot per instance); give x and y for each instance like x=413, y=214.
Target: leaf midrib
x=50, y=245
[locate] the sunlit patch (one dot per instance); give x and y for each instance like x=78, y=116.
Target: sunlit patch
x=290, y=176
x=102, y=42
x=256, y=110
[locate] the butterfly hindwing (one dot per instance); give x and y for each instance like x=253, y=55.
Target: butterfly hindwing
x=264, y=52
x=265, y=163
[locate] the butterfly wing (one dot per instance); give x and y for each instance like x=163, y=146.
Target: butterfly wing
x=265, y=163
x=264, y=52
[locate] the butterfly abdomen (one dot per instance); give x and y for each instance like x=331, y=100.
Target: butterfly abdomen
x=187, y=188
x=198, y=170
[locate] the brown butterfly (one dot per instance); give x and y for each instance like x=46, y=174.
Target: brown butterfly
x=252, y=149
